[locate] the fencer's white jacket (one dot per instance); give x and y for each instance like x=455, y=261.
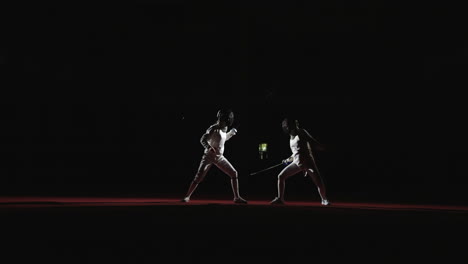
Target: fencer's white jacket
x=215, y=138
x=301, y=149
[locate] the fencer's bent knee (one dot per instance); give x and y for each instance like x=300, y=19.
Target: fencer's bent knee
x=281, y=176
x=234, y=175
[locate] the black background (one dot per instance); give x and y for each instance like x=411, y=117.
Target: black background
x=111, y=99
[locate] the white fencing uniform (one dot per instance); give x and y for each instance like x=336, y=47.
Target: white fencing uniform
x=214, y=139
x=302, y=158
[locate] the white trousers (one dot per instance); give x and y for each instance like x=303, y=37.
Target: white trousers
x=209, y=159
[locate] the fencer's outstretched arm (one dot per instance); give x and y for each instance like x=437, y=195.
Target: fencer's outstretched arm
x=311, y=139
x=231, y=133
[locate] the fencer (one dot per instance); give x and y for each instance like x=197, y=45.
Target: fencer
x=301, y=160
x=213, y=140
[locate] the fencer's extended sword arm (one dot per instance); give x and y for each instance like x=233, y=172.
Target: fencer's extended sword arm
x=288, y=160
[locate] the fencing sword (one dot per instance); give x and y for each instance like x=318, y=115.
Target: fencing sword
x=269, y=168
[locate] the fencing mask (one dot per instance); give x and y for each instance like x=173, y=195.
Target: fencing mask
x=289, y=124
x=226, y=115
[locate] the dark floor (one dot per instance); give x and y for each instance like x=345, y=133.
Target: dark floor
x=156, y=230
